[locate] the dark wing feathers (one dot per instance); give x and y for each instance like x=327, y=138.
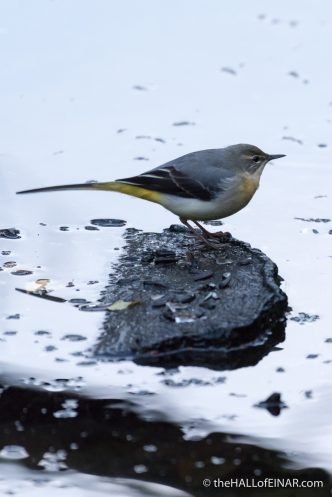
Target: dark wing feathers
x=171, y=181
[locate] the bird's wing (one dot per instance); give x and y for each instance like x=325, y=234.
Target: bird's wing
x=190, y=176
x=170, y=181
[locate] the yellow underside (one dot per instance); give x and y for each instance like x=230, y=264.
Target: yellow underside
x=134, y=191
x=249, y=185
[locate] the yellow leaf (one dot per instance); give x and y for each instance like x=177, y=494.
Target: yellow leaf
x=121, y=305
x=42, y=282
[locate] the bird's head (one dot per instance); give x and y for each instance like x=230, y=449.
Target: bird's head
x=249, y=158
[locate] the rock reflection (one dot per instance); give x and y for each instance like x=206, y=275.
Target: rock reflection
x=107, y=438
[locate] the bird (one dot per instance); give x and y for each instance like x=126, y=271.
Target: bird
x=204, y=185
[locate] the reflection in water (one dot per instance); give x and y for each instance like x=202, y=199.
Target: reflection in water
x=59, y=431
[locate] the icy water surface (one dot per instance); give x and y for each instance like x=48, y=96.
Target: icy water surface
x=108, y=89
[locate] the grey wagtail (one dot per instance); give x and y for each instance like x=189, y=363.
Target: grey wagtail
x=200, y=186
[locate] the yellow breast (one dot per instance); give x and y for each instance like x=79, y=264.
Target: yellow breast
x=248, y=186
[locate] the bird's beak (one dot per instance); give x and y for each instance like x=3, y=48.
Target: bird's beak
x=276, y=156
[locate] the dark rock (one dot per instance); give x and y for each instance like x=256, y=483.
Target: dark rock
x=93, y=307
x=208, y=304
x=11, y=233
x=91, y=228
x=108, y=223
x=216, y=222
x=50, y=348
x=74, y=338
x=21, y=272
x=184, y=123
x=225, y=280
x=229, y=70
x=185, y=383
x=203, y=275
x=303, y=318
x=178, y=228
x=159, y=256
x=156, y=284
x=245, y=261
x=14, y=316
x=313, y=220
x=10, y=264
x=78, y=301
x=164, y=256
x=312, y=356
x=273, y=404
x=293, y=139
x=231, y=321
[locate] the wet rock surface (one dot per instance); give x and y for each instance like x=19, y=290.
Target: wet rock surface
x=217, y=308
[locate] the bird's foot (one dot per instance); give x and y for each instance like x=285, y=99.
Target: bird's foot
x=222, y=236
x=207, y=243
x=203, y=235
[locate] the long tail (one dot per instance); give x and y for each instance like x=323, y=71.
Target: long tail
x=77, y=186
x=113, y=186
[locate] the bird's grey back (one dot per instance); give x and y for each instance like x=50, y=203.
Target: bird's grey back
x=214, y=158
x=210, y=166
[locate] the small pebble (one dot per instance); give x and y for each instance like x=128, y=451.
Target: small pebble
x=74, y=338
x=108, y=223
x=91, y=228
x=14, y=316
x=312, y=356
x=229, y=70
x=184, y=123
x=21, y=272
x=11, y=233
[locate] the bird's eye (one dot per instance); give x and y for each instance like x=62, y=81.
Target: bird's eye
x=256, y=158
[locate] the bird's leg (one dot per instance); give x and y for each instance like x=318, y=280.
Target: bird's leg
x=209, y=234
x=198, y=235
x=206, y=232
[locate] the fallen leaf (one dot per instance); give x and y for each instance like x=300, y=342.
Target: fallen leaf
x=42, y=282
x=121, y=305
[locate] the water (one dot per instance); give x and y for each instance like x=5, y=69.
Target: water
x=109, y=90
